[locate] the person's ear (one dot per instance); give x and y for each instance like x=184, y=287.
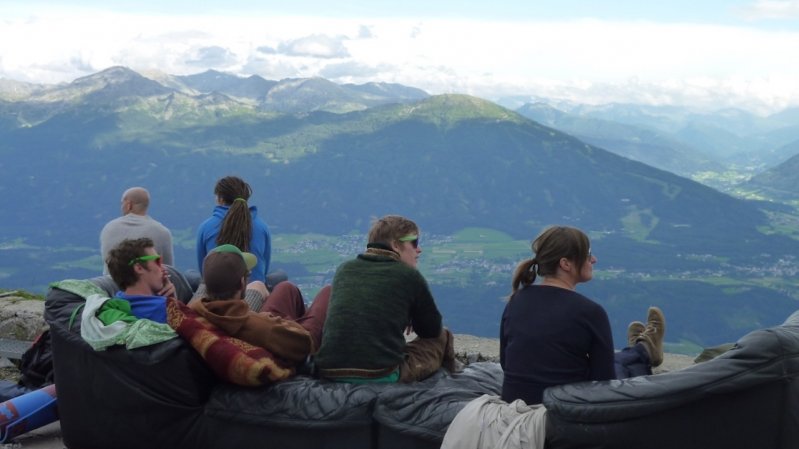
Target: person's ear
x=396, y=245
x=565, y=264
x=243, y=287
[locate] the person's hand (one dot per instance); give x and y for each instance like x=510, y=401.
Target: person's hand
x=168, y=290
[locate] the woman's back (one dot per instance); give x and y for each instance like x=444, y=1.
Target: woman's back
x=552, y=336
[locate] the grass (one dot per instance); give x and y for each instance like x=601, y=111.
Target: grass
x=639, y=223
x=22, y=294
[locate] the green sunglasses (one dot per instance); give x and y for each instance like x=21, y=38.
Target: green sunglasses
x=413, y=238
x=145, y=259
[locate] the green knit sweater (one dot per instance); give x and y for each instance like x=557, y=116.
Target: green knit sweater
x=373, y=299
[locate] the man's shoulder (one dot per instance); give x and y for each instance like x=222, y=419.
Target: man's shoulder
x=211, y=221
x=113, y=222
x=385, y=268
x=158, y=224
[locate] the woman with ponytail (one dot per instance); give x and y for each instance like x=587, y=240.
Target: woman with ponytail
x=234, y=221
x=551, y=335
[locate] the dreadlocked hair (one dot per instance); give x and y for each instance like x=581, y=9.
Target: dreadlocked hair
x=236, y=228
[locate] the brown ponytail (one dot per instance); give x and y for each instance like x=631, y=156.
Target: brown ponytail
x=553, y=244
x=524, y=274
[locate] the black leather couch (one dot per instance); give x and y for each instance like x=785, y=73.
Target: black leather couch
x=164, y=396
x=747, y=398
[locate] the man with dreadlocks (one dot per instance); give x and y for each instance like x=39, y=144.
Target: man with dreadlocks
x=235, y=222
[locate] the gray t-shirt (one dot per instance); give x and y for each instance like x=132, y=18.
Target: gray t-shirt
x=133, y=226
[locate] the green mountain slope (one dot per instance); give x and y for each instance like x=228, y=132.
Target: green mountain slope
x=781, y=181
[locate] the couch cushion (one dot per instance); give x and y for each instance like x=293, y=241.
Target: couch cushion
x=299, y=412
x=230, y=358
x=300, y=402
x=418, y=414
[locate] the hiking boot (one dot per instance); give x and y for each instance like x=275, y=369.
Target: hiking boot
x=634, y=330
x=652, y=337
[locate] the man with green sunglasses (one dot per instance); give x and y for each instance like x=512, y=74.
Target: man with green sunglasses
x=374, y=299
x=142, y=279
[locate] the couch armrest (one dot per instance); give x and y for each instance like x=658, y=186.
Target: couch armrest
x=757, y=358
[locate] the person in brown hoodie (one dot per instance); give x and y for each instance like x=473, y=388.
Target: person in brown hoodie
x=282, y=327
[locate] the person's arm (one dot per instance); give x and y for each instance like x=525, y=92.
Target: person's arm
x=169, y=256
x=267, y=250
x=503, y=341
x=104, y=247
x=425, y=317
x=600, y=357
x=200, y=249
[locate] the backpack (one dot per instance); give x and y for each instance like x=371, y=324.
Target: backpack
x=36, y=364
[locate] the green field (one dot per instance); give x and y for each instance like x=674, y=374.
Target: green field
x=446, y=260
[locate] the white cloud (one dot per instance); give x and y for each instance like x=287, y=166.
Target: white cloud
x=583, y=60
x=213, y=56
x=771, y=9
x=364, y=32
x=317, y=45
x=355, y=72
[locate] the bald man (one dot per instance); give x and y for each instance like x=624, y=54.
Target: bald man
x=135, y=223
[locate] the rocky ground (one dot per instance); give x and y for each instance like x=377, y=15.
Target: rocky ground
x=20, y=319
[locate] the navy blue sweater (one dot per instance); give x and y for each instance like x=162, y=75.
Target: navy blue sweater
x=552, y=336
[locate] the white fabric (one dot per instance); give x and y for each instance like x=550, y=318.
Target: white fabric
x=491, y=423
x=93, y=331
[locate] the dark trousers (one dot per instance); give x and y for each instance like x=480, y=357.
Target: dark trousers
x=632, y=361
x=286, y=301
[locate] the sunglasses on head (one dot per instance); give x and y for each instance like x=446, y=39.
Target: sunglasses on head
x=145, y=259
x=413, y=238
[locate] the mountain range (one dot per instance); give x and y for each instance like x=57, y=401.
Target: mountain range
x=325, y=158
x=677, y=139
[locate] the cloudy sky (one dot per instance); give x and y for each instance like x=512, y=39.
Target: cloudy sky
x=702, y=53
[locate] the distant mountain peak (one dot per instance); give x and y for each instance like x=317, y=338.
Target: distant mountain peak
x=449, y=109
x=109, y=76
x=106, y=86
